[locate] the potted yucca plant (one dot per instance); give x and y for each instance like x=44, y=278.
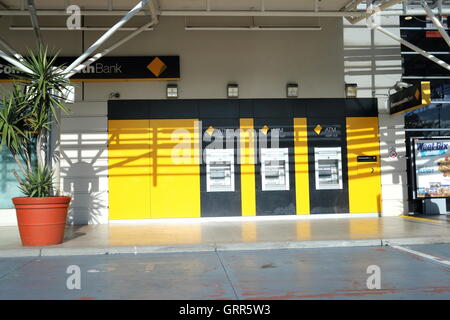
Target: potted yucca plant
x=26, y=118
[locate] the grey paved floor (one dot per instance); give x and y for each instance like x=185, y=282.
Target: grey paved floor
x=320, y=273
x=296, y=229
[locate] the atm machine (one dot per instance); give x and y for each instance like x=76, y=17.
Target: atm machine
x=275, y=169
x=328, y=168
x=219, y=170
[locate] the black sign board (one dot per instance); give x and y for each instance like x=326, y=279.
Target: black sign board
x=366, y=159
x=410, y=98
x=118, y=69
x=421, y=32
x=420, y=67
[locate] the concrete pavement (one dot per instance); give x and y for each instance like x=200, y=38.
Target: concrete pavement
x=196, y=235
x=321, y=273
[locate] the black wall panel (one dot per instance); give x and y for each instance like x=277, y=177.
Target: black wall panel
x=327, y=201
x=222, y=115
x=225, y=114
x=276, y=202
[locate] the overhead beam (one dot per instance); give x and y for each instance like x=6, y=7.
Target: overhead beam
x=27, y=28
x=437, y=23
x=3, y=6
x=153, y=6
x=379, y=8
x=14, y=62
x=241, y=13
x=107, y=35
x=94, y=58
x=352, y=5
x=193, y=13
x=259, y=13
x=253, y=28
x=414, y=47
x=11, y=50
x=154, y=13
x=34, y=21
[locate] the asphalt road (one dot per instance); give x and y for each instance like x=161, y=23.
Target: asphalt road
x=321, y=273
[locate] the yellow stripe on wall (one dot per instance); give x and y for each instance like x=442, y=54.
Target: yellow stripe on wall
x=174, y=169
x=364, y=178
x=129, y=169
x=301, y=165
x=247, y=160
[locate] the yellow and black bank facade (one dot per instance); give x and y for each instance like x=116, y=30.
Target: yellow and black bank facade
x=242, y=157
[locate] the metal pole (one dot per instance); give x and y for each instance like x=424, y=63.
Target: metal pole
x=436, y=22
x=106, y=36
x=108, y=50
x=351, y=5
x=415, y=48
x=11, y=50
x=380, y=8
x=34, y=21
x=14, y=62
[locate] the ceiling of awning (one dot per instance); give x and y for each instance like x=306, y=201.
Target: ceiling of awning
x=213, y=7
x=353, y=10
x=324, y=5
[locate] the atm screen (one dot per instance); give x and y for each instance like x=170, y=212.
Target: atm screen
x=328, y=172
x=275, y=169
x=328, y=167
x=219, y=170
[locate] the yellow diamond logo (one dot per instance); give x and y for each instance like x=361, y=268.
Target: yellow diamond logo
x=318, y=129
x=265, y=130
x=417, y=94
x=157, y=66
x=210, y=130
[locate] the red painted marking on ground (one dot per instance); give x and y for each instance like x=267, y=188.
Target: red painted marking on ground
x=352, y=293
x=85, y=298
x=254, y=293
x=381, y=291
x=219, y=290
x=437, y=289
x=349, y=293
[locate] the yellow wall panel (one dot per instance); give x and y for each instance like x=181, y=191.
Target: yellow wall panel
x=174, y=169
x=247, y=160
x=364, y=179
x=129, y=169
x=301, y=165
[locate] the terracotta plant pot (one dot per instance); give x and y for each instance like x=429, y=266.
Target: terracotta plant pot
x=41, y=220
